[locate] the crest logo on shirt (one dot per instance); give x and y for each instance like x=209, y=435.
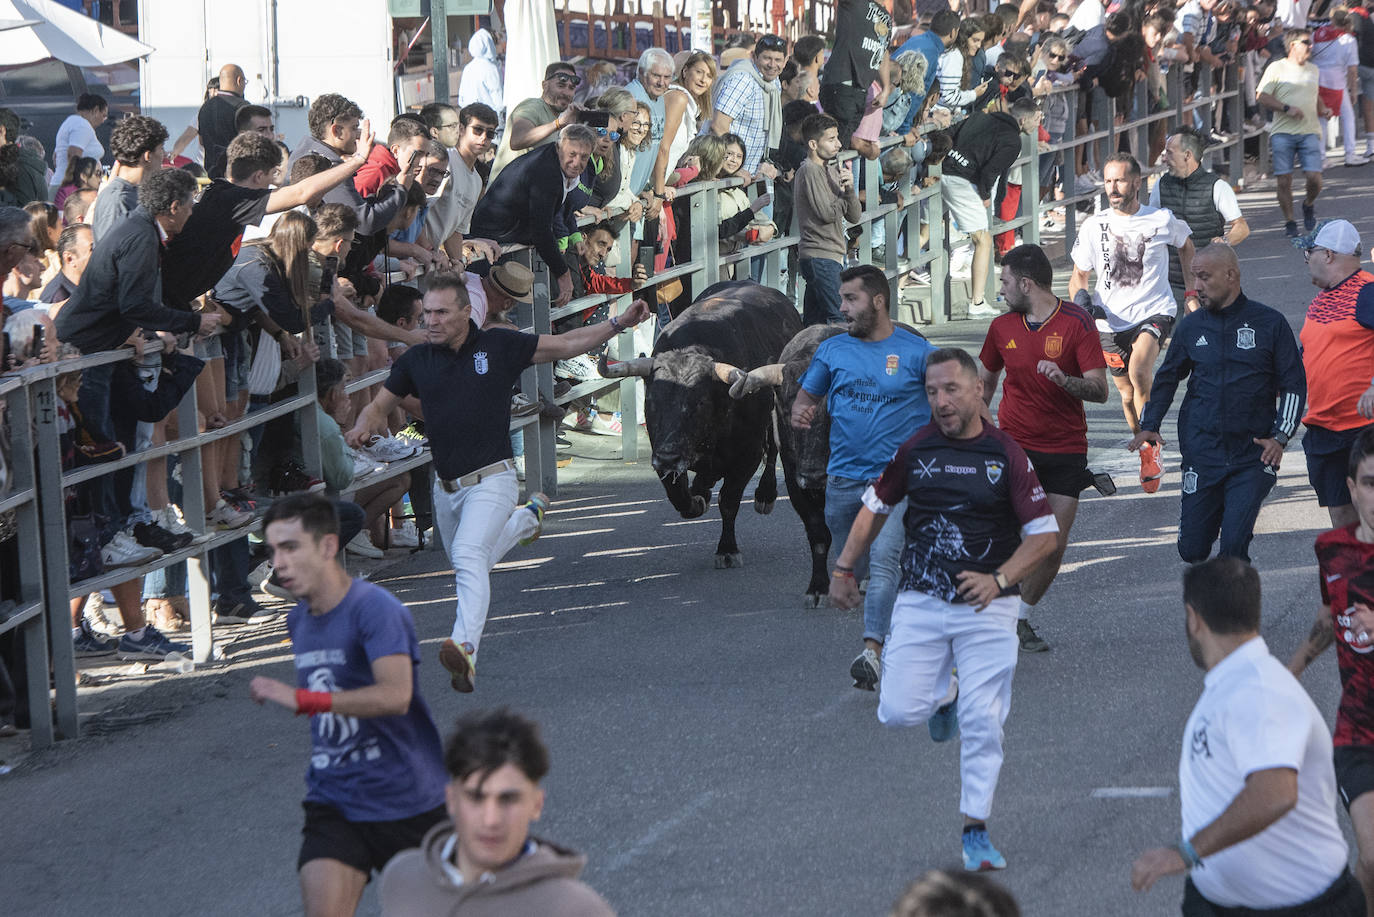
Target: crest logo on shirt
x=994, y=469
x=479, y=362
x=1245, y=338
x=1054, y=346
x=892, y=361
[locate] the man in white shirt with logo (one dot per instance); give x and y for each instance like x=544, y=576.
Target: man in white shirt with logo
x=1256, y=782
x=1128, y=247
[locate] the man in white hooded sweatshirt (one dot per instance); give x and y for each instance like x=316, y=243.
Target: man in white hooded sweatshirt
x=481, y=81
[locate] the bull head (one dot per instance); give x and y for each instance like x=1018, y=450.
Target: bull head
x=756, y=380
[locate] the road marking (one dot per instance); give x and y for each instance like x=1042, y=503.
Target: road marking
x=1132, y=792
x=657, y=832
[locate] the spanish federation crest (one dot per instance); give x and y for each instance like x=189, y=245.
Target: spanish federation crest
x=1245, y=338
x=479, y=362
x=994, y=470
x=1054, y=346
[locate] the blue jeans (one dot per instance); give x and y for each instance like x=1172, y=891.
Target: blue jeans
x=884, y=563
x=821, y=304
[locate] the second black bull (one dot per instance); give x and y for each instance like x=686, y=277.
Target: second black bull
x=718, y=392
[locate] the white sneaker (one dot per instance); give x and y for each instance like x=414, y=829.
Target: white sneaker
x=520, y=468
x=579, y=368
x=389, y=449
x=171, y=519
x=93, y=613
x=405, y=536
x=224, y=517
x=1356, y=160
x=123, y=551
x=362, y=465
x=983, y=310
x=363, y=547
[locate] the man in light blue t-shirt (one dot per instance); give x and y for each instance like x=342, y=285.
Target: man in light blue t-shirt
x=874, y=381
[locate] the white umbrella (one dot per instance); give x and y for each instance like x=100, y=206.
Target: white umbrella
x=531, y=45
x=62, y=33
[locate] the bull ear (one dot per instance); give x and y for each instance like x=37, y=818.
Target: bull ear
x=756, y=380
x=621, y=369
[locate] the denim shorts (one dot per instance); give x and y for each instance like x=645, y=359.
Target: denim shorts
x=1302, y=150
x=1367, y=84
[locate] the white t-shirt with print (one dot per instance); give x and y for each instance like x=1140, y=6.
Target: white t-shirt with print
x=1131, y=257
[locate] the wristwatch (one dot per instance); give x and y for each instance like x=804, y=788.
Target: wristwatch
x=1280, y=437
x=1001, y=580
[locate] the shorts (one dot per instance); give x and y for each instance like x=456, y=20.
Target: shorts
x=1367, y=86
x=343, y=340
x=367, y=846
x=871, y=124
x=1354, y=771
x=1328, y=463
x=360, y=339
x=1116, y=345
x=238, y=360
x=845, y=104
x=963, y=203
x=211, y=348
x=1331, y=98
x=1301, y=150
x=1063, y=473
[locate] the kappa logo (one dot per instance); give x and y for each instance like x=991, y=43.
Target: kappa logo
x=1245, y=338
x=1201, y=341
x=994, y=470
x=479, y=362
x=925, y=469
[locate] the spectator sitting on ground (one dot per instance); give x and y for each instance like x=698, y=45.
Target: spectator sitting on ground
x=539, y=121
x=73, y=251
x=83, y=172
x=533, y=194
x=137, y=146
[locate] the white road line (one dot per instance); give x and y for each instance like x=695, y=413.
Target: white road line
x=658, y=831
x=1132, y=792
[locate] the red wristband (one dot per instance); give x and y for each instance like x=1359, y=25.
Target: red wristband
x=309, y=703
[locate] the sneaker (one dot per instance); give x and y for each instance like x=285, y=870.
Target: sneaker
x=405, y=536
x=272, y=587
x=1356, y=160
x=225, y=517
x=1031, y=642
x=362, y=465
x=87, y=644
x=519, y=467
x=152, y=645
x=389, y=449
x=919, y=278
x=171, y=519
x=247, y=612
x=982, y=310
x=1290, y=229
x=1309, y=217
x=580, y=368
x=562, y=443
x=1150, y=470
x=522, y=406
x=607, y=424
x=241, y=499
x=414, y=434
x=979, y=854
x=583, y=422
x=95, y=619
x=152, y=535
x=866, y=670
x=537, y=504
x=123, y=551
x=459, y=663
x=290, y=478
x=362, y=546
x=944, y=722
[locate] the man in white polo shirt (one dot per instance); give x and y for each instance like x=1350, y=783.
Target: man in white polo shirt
x=1255, y=777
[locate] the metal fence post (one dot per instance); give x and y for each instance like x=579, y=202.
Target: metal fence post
x=1068, y=176
x=52, y=509
x=544, y=469
x=194, y=508
x=1030, y=188
x=939, y=263
x=622, y=348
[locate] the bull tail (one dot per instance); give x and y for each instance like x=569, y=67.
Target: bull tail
x=767, y=493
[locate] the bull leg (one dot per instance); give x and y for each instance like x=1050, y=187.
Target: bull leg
x=809, y=502
x=767, y=492
x=727, y=550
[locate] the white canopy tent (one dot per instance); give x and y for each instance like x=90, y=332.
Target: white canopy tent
x=53, y=30
x=531, y=45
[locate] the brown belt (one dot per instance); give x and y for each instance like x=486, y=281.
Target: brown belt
x=476, y=477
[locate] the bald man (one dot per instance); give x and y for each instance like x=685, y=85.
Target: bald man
x=1245, y=397
x=216, y=119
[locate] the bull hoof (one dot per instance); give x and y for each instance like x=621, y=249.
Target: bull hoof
x=763, y=507
x=727, y=561
x=699, y=505
x=815, y=600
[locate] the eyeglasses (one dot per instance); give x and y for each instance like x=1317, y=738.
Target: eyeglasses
x=605, y=132
x=642, y=125
x=1307, y=255
x=566, y=79
x=771, y=43
x=445, y=124
x=437, y=173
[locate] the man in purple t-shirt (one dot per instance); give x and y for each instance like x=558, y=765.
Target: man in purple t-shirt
x=376, y=779
x=977, y=522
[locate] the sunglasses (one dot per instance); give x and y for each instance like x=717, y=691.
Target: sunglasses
x=1056, y=56
x=1010, y=74
x=564, y=79
x=604, y=132
x=481, y=131
x=771, y=43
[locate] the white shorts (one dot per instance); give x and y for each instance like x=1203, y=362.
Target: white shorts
x=963, y=203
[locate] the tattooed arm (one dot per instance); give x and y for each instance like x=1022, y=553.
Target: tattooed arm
x=1321, y=636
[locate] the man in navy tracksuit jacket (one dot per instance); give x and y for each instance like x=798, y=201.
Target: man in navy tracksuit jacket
x=1241, y=360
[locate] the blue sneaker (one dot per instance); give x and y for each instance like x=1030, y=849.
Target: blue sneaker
x=979, y=854
x=152, y=645
x=87, y=644
x=539, y=505
x=944, y=722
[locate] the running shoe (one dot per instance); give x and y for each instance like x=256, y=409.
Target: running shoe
x=522, y=406
x=152, y=535
x=152, y=645
x=123, y=551
x=1150, y=470
x=457, y=660
x=1309, y=217
x=362, y=546
x=979, y=854
x=944, y=722
x=270, y=585
x=414, y=434
x=982, y=310
x=87, y=644
x=1290, y=229
x=241, y=499
x=607, y=424
x=246, y=612
x=389, y=449
x=578, y=369
x=866, y=670
x=1031, y=642
x=362, y=465
x=539, y=505
x=406, y=536
x=171, y=519
x=224, y=517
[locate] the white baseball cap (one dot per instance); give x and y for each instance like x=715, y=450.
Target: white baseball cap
x=1339, y=236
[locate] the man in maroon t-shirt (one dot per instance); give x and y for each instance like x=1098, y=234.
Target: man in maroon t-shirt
x=1345, y=566
x=1052, y=354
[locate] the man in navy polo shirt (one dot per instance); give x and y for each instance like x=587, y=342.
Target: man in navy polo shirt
x=459, y=381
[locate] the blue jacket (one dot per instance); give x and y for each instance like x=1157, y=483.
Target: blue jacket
x=929, y=44
x=1240, y=363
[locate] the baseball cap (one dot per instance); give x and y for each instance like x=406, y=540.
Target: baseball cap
x=1339, y=236
x=513, y=279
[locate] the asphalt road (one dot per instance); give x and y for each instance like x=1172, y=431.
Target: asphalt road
x=709, y=753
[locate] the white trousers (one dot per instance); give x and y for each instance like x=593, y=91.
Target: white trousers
x=479, y=525
x=928, y=636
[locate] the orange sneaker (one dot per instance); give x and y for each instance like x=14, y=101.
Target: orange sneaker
x=1150, y=470
x=457, y=659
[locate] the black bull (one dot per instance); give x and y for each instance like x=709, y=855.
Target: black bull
x=713, y=409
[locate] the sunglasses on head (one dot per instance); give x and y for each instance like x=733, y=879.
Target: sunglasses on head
x=771, y=43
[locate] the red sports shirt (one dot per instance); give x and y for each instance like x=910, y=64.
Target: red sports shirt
x=1345, y=566
x=1038, y=414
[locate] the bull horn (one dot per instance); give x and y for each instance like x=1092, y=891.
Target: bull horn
x=757, y=380
x=621, y=369
x=726, y=372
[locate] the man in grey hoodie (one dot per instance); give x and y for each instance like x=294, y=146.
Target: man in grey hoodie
x=483, y=862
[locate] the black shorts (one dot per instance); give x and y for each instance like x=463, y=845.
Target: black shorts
x=1328, y=463
x=846, y=105
x=1354, y=771
x=367, y=846
x=1063, y=473
x=1116, y=345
